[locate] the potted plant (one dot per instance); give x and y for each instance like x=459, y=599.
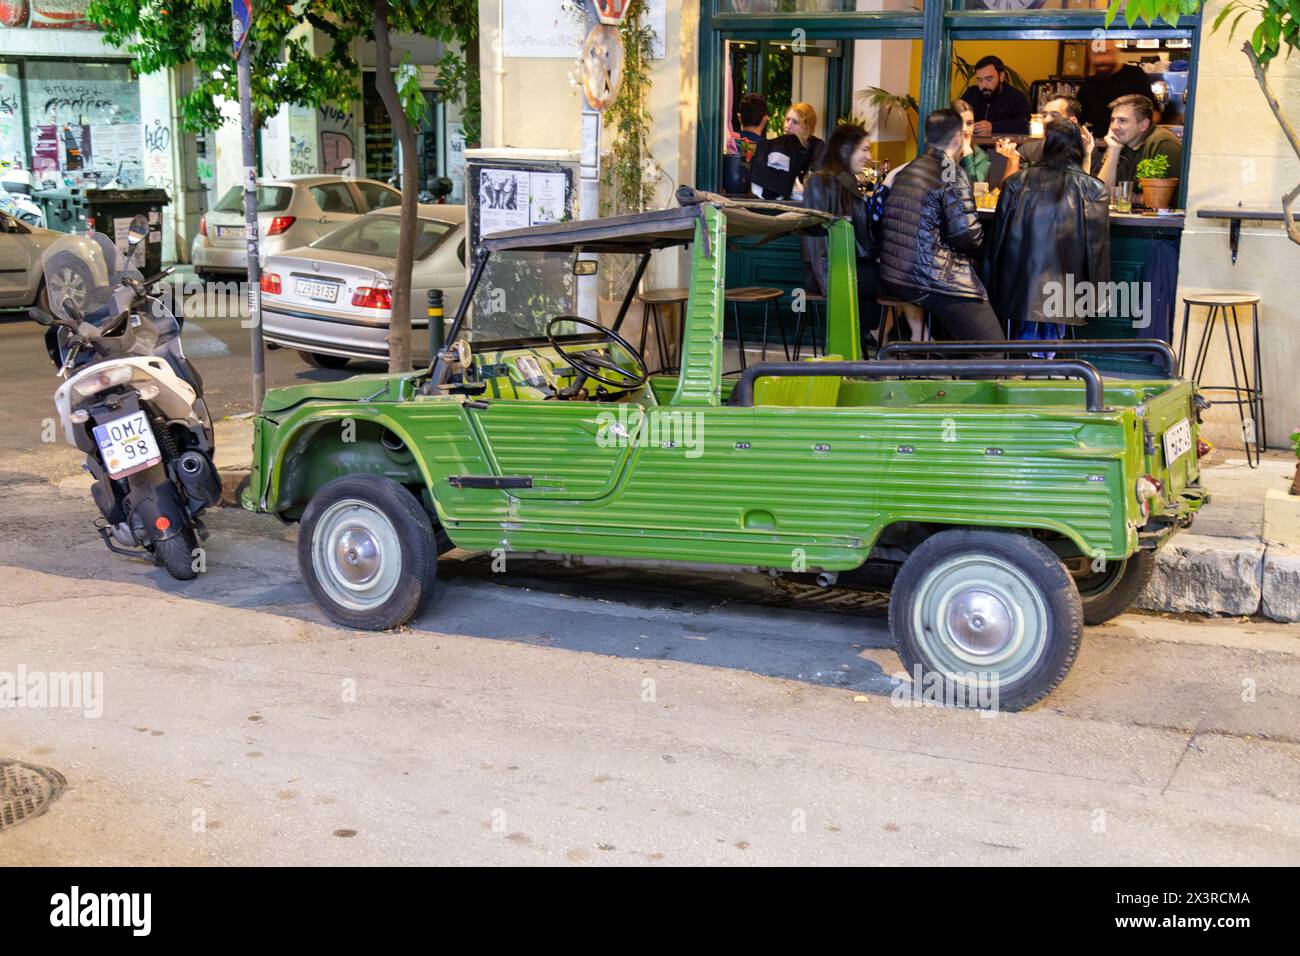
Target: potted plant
x=1156, y=184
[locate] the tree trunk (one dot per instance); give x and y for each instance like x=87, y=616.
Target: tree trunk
x=399, y=324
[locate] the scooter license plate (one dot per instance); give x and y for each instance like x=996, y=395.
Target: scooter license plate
x=127, y=445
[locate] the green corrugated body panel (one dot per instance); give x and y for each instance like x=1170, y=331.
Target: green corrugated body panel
x=747, y=485
x=702, y=335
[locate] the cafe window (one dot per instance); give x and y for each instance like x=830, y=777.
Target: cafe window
x=813, y=6
x=1045, y=43
x=1029, y=6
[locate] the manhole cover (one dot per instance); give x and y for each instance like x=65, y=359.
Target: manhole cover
x=26, y=791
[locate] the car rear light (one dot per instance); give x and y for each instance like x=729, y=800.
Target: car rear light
x=1203, y=447
x=203, y=226
x=270, y=283
x=373, y=297
x=281, y=224
x=1147, y=488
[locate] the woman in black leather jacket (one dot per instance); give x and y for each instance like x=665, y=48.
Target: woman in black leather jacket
x=1051, y=242
x=833, y=188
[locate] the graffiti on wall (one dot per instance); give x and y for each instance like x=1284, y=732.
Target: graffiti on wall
x=45, y=14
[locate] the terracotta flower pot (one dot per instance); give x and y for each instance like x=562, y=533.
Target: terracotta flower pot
x=1158, y=193
x=1295, y=481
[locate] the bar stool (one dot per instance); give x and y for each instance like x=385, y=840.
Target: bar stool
x=1221, y=306
x=817, y=303
x=754, y=294
x=898, y=310
x=653, y=300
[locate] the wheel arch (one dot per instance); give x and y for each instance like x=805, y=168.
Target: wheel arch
x=895, y=526
x=323, y=447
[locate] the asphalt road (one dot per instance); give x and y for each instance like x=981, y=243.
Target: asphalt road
x=542, y=716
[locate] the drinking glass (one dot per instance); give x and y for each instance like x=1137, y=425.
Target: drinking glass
x=1121, y=197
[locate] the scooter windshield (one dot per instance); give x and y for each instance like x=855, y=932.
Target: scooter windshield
x=86, y=270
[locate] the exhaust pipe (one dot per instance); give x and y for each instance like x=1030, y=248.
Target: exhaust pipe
x=827, y=579
x=199, y=477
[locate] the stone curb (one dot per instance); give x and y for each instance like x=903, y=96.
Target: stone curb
x=1207, y=575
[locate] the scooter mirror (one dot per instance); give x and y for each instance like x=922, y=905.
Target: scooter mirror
x=138, y=231
x=71, y=311
x=40, y=316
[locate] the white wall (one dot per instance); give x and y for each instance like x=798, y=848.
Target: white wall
x=1240, y=155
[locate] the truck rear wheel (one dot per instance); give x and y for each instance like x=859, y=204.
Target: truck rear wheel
x=367, y=552
x=987, y=618
x=1112, y=591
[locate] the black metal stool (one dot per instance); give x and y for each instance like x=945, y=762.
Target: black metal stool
x=1248, y=390
x=817, y=304
x=771, y=298
x=653, y=300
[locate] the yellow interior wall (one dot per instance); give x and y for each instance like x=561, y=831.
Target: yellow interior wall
x=1032, y=59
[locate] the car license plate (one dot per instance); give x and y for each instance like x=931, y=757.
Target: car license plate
x=230, y=232
x=321, y=291
x=127, y=445
x=1178, y=441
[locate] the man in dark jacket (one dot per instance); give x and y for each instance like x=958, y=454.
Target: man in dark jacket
x=931, y=236
x=998, y=106
x=1109, y=81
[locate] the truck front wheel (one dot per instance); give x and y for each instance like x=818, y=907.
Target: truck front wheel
x=367, y=552
x=985, y=618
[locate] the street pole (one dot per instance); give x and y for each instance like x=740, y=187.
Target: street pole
x=249, y=136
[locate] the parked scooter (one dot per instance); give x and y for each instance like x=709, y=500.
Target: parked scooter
x=130, y=400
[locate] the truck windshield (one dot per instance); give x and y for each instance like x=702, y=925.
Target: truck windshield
x=521, y=291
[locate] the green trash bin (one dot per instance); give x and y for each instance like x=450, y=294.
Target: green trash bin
x=110, y=211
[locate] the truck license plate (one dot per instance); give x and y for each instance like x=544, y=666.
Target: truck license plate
x=320, y=291
x=1178, y=441
x=127, y=445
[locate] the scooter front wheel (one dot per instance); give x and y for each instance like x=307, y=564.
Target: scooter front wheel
x=176, y=554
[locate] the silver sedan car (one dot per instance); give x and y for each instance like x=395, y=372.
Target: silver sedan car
x=291, y=212
x=331, y=300
x=22, y=281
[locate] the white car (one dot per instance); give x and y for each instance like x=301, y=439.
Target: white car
x=292, y=211
x=331, y=301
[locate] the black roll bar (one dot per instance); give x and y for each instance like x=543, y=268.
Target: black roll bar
x=743, y=394
x=1154, y=346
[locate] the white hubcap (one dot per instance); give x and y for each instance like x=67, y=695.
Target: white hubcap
x=356, y=554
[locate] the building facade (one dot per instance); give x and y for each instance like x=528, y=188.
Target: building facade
x=836, y=54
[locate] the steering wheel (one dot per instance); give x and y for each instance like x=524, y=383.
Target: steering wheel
x=590, y=365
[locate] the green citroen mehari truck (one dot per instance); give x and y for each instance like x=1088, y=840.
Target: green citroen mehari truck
x=1017, y=498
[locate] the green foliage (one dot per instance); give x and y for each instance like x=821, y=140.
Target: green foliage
x=632, y=173
x=1279, y=24
x=886, y=104
x=1295, y=443
x=171, y=33
x=1153, y=167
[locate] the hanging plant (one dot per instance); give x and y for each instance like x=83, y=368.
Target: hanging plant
x=632, y=175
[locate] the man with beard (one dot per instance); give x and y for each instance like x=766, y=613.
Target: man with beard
x=1108, y=82
x=999, y=107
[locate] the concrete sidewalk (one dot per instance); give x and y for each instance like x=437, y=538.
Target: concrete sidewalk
x=1223, y=565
